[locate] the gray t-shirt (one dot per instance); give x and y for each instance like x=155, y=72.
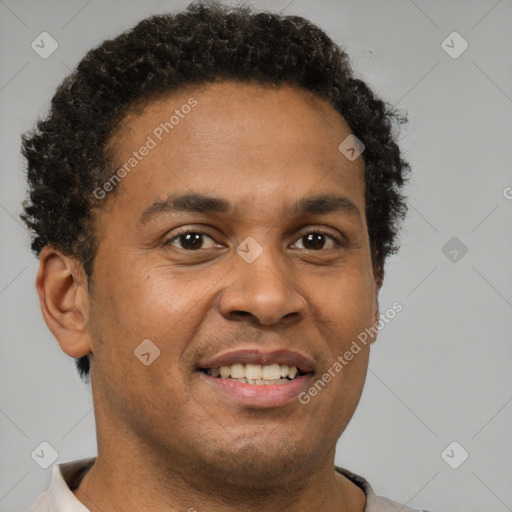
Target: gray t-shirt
x=67, y=477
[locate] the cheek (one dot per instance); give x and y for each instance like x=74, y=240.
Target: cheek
x=146, y=304
x=346, y=308
x=129, y=309
x=139, y=302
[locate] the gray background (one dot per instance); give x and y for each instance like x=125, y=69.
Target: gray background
x=440, y=371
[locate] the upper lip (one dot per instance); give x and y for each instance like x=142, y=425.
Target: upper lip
x=259, y=356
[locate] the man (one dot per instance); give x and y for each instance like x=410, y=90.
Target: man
x=212, y=197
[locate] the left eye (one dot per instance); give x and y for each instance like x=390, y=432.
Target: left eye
x=191, y=240
x=317, y=240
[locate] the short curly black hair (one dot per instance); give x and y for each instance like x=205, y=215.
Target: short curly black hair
x=66, y=151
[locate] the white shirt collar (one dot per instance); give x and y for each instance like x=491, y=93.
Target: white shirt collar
x=58, y=497
x=64, y=498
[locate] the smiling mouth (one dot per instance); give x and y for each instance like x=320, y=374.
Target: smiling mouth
x=255, y=373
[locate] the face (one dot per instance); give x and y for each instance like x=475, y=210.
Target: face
x=266, y=262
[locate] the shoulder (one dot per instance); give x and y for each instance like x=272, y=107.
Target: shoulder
x=59, y=496
x=375, y=503
x=43, y=503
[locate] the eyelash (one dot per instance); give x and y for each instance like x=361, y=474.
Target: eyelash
x=319, y=231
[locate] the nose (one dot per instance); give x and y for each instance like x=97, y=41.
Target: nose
x=262, y=292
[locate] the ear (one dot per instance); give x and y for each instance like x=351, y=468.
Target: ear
x=379, y=278
x=62, y=288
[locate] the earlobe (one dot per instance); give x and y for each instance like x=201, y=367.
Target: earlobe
x=62, y=288
x=376, y=319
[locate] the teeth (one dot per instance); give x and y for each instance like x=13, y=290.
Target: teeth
x=253, y=371
x=256, y=373
x=225, y=371
x=237, y=371
x=271, y=372
x=292, y=372
x=269, y=382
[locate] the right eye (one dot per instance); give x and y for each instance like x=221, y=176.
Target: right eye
x=190, y=241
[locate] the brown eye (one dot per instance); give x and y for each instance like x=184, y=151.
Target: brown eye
x=190, y=241
x=315, y=241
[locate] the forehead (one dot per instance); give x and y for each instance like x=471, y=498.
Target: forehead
x=247, y=141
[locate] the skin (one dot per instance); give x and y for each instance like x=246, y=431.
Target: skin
x=167, y=441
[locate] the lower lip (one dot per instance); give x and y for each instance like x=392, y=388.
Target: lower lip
x=264, y=395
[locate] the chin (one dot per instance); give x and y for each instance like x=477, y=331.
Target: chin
x=256, y=462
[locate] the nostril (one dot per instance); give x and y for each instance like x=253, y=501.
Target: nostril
x=242, y=313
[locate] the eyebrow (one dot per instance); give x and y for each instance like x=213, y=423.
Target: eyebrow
x=200, y=203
